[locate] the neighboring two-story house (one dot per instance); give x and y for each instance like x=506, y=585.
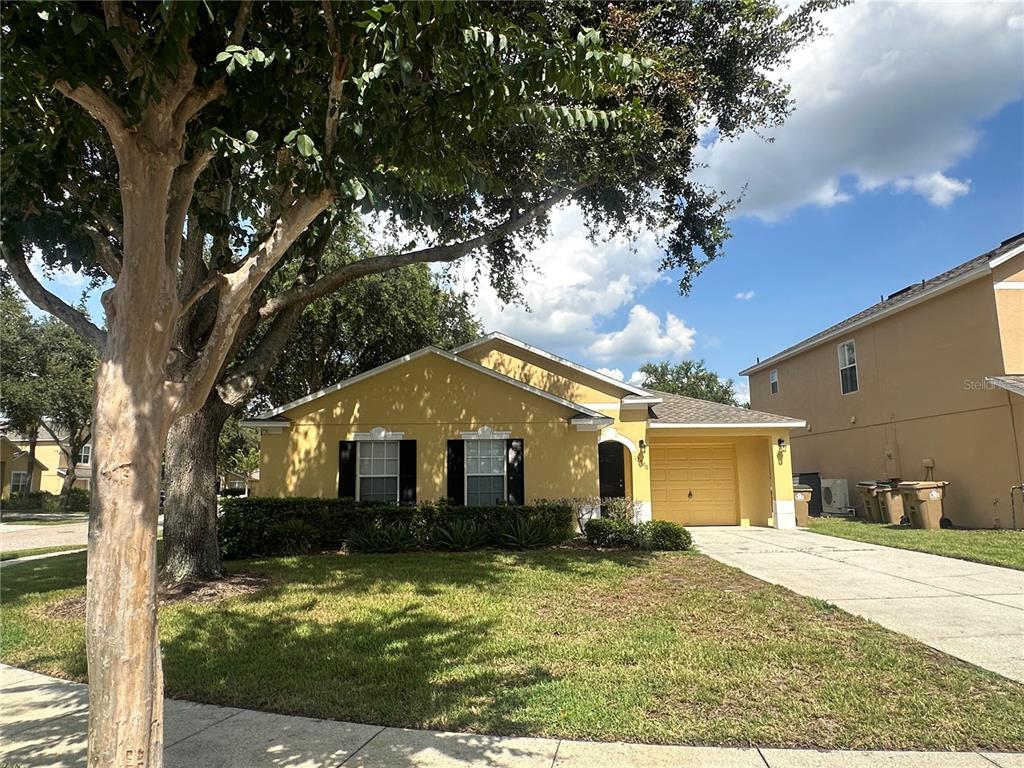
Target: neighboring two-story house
x=51, y=465
x=929, y=382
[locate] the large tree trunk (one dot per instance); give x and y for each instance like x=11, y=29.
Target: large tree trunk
x=131, y=417
x=33, y=436
x=67, y=485
x=191, y=550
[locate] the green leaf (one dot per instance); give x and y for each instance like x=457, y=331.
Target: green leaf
x=79, y=22
x=305, y=145
x=222, y=56
x=251, y=136
x=290, y=136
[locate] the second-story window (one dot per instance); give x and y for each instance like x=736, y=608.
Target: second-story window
x=85, y=455
x=773, y=380
x=848, y=367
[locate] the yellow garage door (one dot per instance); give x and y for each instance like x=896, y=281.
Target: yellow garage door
x=694, y=484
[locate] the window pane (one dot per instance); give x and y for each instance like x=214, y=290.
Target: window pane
x=848, y=376
x=391, y=449
x=484, y=491
x=391, y=466
x=472, y=448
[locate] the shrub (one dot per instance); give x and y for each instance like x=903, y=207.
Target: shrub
x=78, y=500
x=248, y=525
x=293, y=536
x=658, y=535
x=609, y=533
x=589, y=507
x=663, y=536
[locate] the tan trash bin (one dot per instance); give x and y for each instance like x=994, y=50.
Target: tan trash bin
x=801, y=502
x=922, y=502
x=891, y=503
x=868, y=491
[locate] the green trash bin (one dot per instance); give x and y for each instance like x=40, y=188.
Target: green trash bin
x=868, y=490
x=922, y=501
x=801, y=503
x=890, y=502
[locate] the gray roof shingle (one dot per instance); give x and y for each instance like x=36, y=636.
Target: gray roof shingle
x=678, y=409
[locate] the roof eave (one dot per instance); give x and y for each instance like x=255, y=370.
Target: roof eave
x=727, y=425
x=980, y=271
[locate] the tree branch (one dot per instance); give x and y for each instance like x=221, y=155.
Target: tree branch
x=107, y=257
x=14, y=258
x=438, y=253
x=339, y=68
x=182, y=189
x=241, y=21
x=113, y=13
x=99, y=105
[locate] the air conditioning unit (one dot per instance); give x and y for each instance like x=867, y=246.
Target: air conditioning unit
x=835, y=498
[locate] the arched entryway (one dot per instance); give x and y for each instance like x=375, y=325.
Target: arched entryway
x=611, y=468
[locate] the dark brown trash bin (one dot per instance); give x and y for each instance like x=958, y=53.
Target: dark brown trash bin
x=922, y=502
x=868, y=491
x=891, y=503
x=801, y=502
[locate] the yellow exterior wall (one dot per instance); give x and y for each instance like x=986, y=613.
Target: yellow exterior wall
x=922, y=394
x=431, y=400
x=543, y=373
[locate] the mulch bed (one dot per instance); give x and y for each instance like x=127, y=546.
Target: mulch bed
x=232, y=585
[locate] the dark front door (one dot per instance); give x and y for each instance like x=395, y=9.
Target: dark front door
x=611, y=470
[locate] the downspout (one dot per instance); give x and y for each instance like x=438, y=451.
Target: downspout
x=1016, y=446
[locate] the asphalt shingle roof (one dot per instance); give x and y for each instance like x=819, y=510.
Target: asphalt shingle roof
x=678, y=409
x=1013, y=382
x=903, y=296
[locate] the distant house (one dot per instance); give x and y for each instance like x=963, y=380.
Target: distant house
x=51, y=465
x=927, y=382
x=497, y=421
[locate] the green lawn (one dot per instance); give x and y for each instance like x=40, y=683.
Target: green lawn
x=1005, y=548
x=672, y=647
x=19, y=553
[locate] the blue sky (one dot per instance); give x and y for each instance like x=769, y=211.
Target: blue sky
x=904, y=156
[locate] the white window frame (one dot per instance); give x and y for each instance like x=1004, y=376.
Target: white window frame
x=85, y=448
x=773, y=381
x=844, y=365
x=398, y=465
x=24, y=481
x=485, y=433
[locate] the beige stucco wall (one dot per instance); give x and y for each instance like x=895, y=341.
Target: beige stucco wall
x=431, y=400
x=922, y=395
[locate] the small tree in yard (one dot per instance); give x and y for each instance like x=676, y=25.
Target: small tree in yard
x=127, y=124
x=691, y=378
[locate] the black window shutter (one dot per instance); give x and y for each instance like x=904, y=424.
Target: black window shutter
x=457, y=471
x=516, y=485
x=347, y=469
x=407, y=472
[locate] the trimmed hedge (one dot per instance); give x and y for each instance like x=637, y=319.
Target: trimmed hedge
x=78, y=501
x=255, y=526
x=658, y=535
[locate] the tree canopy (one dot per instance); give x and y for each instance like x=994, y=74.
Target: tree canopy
x=691, y=378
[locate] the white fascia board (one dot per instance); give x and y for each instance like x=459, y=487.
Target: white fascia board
x=591, y=424
x=259, y=423
x=1009, y=285
x=974, y=274
x=764, y=425
x=413, y=356
x=640, y=402
x=1010, y=386
x=498, y=336
x=1002, y=259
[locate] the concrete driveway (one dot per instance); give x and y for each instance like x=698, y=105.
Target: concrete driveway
x=23, y=536
x=972, y=611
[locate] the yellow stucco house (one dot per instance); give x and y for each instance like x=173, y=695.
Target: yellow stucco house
x=497, y=420
x=51, y=465
x=926, y=384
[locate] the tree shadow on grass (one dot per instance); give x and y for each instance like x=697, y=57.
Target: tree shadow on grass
x=430, y=572
x=384, y=666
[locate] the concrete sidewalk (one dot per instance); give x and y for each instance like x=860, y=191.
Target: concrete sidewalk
x=15, y=536
x=43, y=723
x=972, y=611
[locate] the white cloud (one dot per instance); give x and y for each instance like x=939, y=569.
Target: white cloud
x=639, y=378
x=614, y=373
x=937, y=187
x=64, y=278
x=742, y=387
x=645, y=336
x=575, y=286
x=889, y=99
x=745, y=295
